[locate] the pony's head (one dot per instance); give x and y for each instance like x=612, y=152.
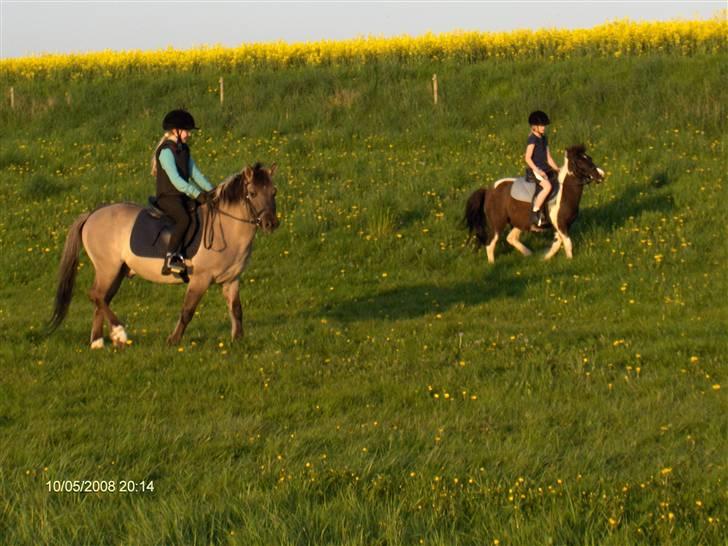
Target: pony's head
x=582, y=165
x=254, y=186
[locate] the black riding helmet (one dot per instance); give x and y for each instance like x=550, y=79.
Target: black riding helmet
x=538, y=118
x=178, y=119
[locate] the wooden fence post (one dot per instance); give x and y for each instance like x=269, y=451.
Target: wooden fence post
x=434, y=87
x=222, y=90
x=12, y=98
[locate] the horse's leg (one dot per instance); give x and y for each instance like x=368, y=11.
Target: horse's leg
x=567, y=245
x=102, y=291
x=97, y=329
x=554, y=247
x=118, y=334
x=514, y=240
x=195, y=290
x=562, y=232
x=490, y=248
x=497, y=218
x=231, y=291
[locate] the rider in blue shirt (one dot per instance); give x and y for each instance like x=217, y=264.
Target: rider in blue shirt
x=179, y=182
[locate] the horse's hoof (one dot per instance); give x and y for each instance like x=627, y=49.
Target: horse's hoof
x=118, y=336
x=97, y=343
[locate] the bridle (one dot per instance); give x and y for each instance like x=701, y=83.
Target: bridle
x=213, y=209
x=579, y=179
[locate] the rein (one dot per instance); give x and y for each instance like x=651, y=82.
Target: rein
x=213, y=209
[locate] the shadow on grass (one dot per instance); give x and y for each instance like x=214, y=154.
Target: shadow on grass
x=635, y=201
x=413, y=301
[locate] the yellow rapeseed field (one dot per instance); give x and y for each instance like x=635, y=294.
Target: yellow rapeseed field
x=616, y=38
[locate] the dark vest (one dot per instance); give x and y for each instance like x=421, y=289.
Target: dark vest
x=182, y=160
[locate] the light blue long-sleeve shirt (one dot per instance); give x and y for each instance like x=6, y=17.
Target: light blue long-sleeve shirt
x=198, y=181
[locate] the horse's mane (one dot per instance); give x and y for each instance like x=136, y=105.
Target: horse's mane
x=232, y=189
x=577, y=149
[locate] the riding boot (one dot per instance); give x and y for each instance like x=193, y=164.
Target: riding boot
x=535, y=218
x=543, y=219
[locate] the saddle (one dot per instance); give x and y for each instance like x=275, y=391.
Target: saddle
x=152, y=230
x=522, y=190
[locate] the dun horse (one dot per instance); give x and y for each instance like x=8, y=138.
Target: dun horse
x=123, y=240
x=487, y=212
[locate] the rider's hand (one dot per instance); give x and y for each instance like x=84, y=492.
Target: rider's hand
x=203, y=198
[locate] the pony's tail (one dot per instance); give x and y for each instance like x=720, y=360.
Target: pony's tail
x=67, y=273
x=475, y=216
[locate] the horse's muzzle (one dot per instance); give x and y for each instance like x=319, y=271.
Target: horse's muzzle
x=269, y=223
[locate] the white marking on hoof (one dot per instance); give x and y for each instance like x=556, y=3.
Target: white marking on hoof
x=97, y=343
x=601, y=172
x=118, y=335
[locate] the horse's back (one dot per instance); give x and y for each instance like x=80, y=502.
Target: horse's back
x=107, y=230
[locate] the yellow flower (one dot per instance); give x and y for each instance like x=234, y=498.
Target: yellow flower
x=615, y=39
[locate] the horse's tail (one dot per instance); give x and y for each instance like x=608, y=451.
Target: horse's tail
x=475, y=216
x=67, y=272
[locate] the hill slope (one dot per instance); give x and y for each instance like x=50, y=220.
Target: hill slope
x=392, y=387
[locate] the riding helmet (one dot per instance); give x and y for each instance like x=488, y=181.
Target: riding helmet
x=178, y=119
x=538, y=118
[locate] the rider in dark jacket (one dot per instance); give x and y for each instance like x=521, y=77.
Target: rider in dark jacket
x=179, y=181
x=541, y=168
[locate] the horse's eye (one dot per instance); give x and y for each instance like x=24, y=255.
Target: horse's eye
x=252, y=193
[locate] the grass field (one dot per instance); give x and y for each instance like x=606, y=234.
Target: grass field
x=392, y=387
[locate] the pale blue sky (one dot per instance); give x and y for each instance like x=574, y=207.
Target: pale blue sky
x=30, y=27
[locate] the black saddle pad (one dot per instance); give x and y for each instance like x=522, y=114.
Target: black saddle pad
x=151, y=233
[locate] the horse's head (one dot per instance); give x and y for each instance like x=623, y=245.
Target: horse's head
x=253, y=186
x=582, y=165
x=260, y=193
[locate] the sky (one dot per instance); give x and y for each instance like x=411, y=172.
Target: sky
x=30, y=27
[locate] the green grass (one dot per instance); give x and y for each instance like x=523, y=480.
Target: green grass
x=391, y=388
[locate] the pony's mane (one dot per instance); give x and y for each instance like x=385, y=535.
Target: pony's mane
x=232, y=189
x=578, y=149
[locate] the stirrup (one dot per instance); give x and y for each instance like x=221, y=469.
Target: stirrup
x=174, y=264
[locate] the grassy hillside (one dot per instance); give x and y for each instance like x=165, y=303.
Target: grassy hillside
x=392, y=388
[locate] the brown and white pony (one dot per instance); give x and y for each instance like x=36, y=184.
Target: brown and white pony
x=230, y=221
x=487, y=212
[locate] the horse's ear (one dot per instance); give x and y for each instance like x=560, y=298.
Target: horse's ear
x=248, y=174
x=273, y=168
